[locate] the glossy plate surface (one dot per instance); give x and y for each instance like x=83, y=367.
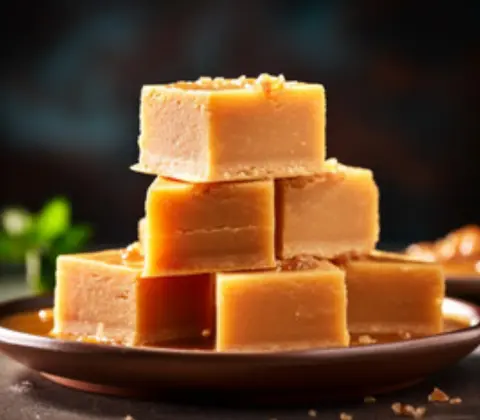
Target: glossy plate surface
x=463, y=286
x=323, y=373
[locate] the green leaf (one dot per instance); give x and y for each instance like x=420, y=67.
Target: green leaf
x=40, y=272
x=53, y=220
x=47, y=279
x=12, y=249
x=41, y=264
x=33, y=267
x=73, y=240
x=16, y=221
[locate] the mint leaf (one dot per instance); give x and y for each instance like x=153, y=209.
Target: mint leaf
x=53, y=220
x=41, y=279
x=40, y=272
x=33, y=267
x=16, y=221
x=12, y=248
x=72, y=240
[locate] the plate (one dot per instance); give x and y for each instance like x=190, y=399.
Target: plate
x=317, y=373
x=463, y=286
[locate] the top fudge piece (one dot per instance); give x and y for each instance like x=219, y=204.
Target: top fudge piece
x=232, y=129
x=328, y=215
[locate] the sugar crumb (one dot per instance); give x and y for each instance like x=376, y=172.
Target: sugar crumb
x=132, y=252
x=397, y=408
x=22, y=388
x=129, y=417
x=269, y=83
x=408, y=410
x=455, y=400
x=369, y=399
x=312, y=413
x=437, y=395
x=366, y=339
x=420, y=412
x=206, y=333
x=345, y=416
x=298, y=263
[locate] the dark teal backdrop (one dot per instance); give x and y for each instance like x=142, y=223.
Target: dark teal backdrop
x=402, y=84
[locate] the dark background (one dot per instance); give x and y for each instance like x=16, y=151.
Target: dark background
x=402, y=83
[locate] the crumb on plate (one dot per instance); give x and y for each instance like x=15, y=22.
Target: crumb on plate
x=366, y=339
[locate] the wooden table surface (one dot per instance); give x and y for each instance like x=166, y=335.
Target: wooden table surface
x=25, y=395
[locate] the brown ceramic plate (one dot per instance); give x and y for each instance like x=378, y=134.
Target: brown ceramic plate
x=356, y=371
x=459, y=285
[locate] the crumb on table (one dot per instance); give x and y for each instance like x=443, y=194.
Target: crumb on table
x=407, y=410
x=437, y=395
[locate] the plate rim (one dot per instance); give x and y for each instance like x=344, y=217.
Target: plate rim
x=17, y=338
x=470, y=278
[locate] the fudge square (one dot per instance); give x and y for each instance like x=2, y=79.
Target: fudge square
x=387, y=297
x=141, y=227
x=195, y=228
x=300, y=305
x=327, y=215
x=102, y=294
x=232, y=129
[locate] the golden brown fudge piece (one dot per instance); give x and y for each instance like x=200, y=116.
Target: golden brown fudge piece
x=103, y=294
x=300, y=305
x=142, y=223
x=394, y=297
x=195, y=228
x=327, y=215
x=232, y=129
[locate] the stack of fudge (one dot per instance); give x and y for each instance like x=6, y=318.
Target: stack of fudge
x=251, y=237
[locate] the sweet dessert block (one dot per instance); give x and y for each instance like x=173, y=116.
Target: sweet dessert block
x=195, y=228
x=141, y=233
x=391, y=297
x=102, y=294
x=232, y=129
x=327, y=215
x=300, y=305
